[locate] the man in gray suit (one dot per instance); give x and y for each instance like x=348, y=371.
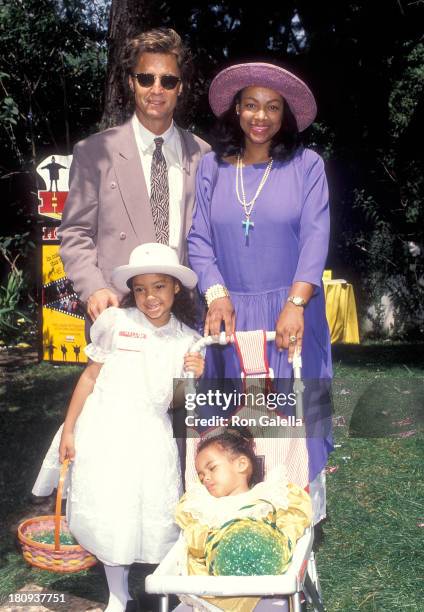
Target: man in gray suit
x=133, y=183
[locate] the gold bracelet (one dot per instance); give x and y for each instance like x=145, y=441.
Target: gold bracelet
x=215, y=292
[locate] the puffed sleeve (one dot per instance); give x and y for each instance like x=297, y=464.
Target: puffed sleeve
x=200, y=240
x=195, y=535
x=102, y=335
x=314, y=222
x=294, y=520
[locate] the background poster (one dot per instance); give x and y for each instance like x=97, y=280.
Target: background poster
x=62, y=314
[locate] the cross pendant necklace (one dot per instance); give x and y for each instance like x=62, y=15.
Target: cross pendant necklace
x=248, y=206
x=247, y=223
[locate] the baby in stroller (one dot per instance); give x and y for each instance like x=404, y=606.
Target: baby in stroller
x=234, y=524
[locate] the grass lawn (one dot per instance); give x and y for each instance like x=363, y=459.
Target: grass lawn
x=371, y=555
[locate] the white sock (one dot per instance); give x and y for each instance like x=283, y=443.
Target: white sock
x=115, y=581
x=125, y=582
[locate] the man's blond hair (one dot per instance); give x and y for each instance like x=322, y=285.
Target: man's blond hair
x=158, y=40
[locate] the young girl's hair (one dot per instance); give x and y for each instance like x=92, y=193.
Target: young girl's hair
x=183, y=308
x=237, y=441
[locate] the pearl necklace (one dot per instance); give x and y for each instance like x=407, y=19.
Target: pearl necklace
x=248, y=206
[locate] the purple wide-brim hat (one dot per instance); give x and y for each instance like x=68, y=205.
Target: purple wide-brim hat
x=257, y=74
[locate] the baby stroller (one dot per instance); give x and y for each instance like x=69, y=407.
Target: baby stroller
x=301, y=577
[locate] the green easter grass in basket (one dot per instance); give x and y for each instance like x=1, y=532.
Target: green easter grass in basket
x=47, y=543
x=47, y=537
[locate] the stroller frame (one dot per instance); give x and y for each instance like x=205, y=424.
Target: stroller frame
x=170, y=577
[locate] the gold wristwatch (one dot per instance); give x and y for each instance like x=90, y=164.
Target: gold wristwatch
x=296, y=300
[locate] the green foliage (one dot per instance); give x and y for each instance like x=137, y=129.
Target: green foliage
x=53, y=55
x=17, y=309
x=323, y=139
x=406, y=88
x=387, y=266
x=8, y=111
x=388, y=203
x=9, y=299
x=53, y=58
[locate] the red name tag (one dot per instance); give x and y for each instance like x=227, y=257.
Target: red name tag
x=129, y=340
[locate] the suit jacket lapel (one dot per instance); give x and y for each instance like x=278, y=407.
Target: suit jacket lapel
x=132, y=184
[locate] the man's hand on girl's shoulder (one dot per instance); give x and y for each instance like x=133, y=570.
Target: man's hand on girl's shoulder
x=100, y=300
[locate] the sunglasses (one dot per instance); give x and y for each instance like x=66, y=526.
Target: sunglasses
x=167, y=81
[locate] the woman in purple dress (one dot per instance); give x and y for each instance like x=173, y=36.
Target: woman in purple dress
x=260, y=231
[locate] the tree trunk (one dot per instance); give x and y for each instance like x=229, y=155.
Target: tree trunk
x=127, y=18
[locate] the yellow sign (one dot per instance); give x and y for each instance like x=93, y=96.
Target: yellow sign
x=63, y=315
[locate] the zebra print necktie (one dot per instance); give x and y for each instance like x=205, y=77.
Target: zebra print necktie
x=159, y=194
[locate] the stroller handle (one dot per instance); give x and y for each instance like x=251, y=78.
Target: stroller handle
x=222, y=339
x=270, y=336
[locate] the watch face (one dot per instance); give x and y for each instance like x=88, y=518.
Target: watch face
x=297, y=301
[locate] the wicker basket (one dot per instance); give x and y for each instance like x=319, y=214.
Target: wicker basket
x=57, y=557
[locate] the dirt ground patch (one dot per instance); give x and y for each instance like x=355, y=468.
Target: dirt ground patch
x=13, y=359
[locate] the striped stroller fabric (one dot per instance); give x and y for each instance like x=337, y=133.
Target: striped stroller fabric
x=251, y=349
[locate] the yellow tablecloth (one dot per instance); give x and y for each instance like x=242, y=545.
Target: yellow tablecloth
x=340, y=307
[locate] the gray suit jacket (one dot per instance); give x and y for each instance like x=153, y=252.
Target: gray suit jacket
x=107, y=212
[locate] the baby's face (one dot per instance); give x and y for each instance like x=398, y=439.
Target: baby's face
x=221, y=473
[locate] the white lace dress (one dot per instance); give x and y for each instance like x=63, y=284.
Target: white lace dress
x=125, y=480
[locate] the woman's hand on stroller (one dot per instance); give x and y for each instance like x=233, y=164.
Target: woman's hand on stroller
x=66, y=447
x=194, y=362
x=220, y=311
x=289, y=330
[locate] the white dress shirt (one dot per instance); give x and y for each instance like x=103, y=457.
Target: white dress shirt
x=172, y=152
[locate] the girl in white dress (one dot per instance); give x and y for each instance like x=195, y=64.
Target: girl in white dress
x=125, y=478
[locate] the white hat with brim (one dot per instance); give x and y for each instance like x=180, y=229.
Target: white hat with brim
x=258, y=74
x=153, y=258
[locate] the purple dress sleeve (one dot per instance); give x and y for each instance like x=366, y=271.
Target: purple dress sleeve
x=314, y=223
x=200, y=239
